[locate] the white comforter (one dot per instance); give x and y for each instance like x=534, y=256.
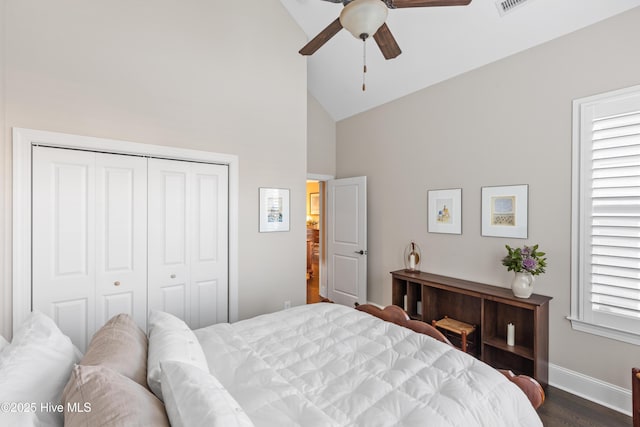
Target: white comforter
x=330, y=365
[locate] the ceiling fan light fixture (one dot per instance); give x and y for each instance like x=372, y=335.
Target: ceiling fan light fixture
x=363, y=18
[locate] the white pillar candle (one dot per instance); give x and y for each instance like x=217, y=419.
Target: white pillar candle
x=412, y=261
x=511, y=334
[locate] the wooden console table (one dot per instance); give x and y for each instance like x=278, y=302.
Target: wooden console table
x=488, y=307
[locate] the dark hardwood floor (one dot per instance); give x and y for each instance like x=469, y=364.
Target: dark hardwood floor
x=313, y=285
x=313, y=290
x=560, y=409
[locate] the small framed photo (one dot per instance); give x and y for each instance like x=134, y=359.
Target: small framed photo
x=444, y=211
x=504, y=211
x=314, y=203
x=274, y=210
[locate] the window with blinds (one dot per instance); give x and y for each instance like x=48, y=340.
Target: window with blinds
x=606, y=215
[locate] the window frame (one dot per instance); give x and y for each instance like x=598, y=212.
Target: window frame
x=582, y=317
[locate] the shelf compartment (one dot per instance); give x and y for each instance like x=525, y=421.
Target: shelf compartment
x=414, y=300
x=503, y=359
x=441, y=303
x=408, y=296
x=519, y=350
x=498, y=315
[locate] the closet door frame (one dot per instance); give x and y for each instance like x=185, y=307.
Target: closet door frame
x=25, y=139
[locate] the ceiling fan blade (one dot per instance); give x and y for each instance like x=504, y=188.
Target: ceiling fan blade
x=318, y=41
x=386, y=42
x=427, y=3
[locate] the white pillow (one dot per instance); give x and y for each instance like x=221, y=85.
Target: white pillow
x=21, y=418
x=170, y=339
x=34, y=368
x=194, y=398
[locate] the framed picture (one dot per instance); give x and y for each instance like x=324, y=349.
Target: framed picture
x=274, y=209
x=504, y=211
x=314, y=203
x=444, y=211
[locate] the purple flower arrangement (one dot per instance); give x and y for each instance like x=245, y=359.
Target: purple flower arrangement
x=525, y=260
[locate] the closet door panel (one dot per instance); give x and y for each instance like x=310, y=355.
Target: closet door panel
x=174, y=210
x=174, y=300
x=168, y=204
x=209, y=237
x=116, y=303
x=63, y=233
x=188, y=237
x=121, y=237
x=72, y=317
x=206, y=310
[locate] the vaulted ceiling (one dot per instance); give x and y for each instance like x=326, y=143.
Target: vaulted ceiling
x=437, y=43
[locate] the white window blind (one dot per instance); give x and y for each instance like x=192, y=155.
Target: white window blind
x=606, y=215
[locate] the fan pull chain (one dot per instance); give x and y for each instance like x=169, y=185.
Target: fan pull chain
x=364, y=63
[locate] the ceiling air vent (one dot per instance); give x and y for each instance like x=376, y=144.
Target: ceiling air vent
x=506, y=6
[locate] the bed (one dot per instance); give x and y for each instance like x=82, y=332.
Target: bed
x=312, y=365
x=330, y=365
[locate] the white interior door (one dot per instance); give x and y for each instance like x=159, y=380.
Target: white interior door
x=347, y=240
x=121, y=238
x=89, y=239
x=188, y=226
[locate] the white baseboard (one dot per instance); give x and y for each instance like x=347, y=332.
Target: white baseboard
x=600, y=392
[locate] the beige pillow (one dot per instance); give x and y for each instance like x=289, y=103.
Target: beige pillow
x=98, y=396
x=122, y=346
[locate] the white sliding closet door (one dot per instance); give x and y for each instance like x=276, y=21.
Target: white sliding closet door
x=89, y=239
x=188, y=235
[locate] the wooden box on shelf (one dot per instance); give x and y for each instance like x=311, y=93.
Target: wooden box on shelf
x=490, y=309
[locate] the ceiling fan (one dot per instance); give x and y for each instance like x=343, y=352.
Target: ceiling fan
x=364, y=18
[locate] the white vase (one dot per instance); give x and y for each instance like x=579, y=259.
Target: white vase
x=522, y=285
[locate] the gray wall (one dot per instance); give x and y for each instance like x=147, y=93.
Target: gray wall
x=506, y=123
x=217, y=76
x=321, y=139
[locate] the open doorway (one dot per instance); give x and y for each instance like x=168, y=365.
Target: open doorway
x=337, y=266
x=315, y=240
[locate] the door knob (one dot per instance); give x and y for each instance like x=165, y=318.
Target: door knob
x=116, y=283
x=173, y=276
x=361, y=252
